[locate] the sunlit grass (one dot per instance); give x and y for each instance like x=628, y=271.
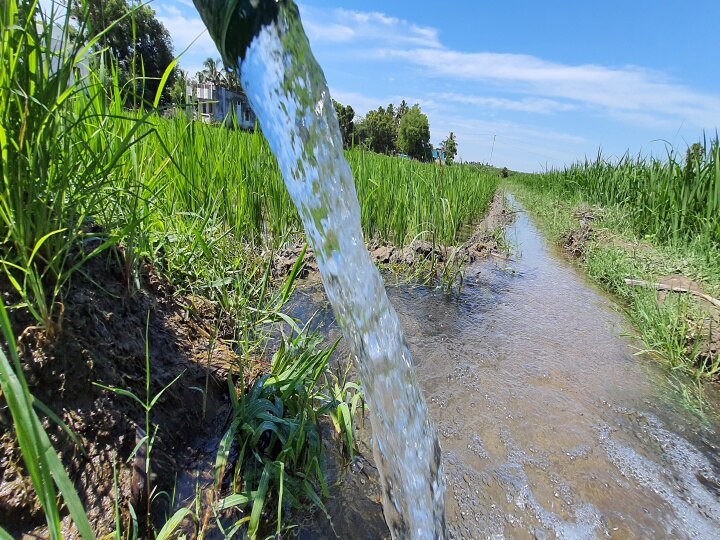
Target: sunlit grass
x=671, y=200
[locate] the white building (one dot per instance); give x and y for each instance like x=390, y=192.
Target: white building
x=60, y=47
x=213, y=103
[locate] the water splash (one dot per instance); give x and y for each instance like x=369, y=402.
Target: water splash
x=288, y=92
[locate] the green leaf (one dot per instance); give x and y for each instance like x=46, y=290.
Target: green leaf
x=40, y=242
x=134, y=521
x=39, y=457
x=224, y=451
x=232, y=501
x=72, y=501
x=163, y=80
x=47, y=411
x=172, y=524
x=122, y=392
x=259, y=502
x=161, y=392
x=281, y=491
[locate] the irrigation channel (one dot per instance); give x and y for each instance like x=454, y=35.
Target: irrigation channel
x=549, y=423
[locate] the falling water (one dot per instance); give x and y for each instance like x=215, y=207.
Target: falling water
x=288, y=92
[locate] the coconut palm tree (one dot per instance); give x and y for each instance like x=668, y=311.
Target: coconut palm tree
x=213, y=73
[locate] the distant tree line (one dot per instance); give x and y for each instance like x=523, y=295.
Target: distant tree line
x=503, y=172
x=392, y=130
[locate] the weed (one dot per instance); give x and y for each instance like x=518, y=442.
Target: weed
x=275, y=426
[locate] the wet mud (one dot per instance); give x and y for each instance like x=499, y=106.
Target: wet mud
x=550, y=425
x=102, y=339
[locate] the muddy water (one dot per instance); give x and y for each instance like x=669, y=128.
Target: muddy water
x=549, y=425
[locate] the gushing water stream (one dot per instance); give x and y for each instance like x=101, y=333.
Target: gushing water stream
x=288, y=92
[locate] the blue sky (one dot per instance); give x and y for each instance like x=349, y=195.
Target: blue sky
x=551, y=81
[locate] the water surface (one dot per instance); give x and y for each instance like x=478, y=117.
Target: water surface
x=550, y=425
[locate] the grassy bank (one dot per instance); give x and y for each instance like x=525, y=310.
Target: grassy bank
x=654, y=221
x=137, y=296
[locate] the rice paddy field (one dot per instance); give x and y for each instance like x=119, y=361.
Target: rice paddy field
x=136, y=251
x=140, y=302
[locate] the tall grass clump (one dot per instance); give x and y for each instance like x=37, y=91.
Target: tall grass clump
x=673, y=200
x=58, y=157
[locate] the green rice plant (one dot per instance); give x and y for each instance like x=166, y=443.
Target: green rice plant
x=57, y=156
x=665, y=329
x=275, y=425
x=674, y=200
x=232, y=176
x=146, y=442
x=402, y=199
x=343, y=399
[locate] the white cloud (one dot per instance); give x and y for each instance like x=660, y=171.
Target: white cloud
x=184, y=29
x=362, y=103
x=348, y=26
x=532, y=105
x=329, y=33
x=628, y=93
x=516, y=145
x=620, y=90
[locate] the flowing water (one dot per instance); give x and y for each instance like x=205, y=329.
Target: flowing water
x=550, y=425
x=288, y=92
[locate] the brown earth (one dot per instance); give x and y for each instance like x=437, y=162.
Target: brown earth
x=102, y=340
x=573, y=242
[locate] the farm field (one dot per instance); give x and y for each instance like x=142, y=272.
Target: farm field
x=170, y=366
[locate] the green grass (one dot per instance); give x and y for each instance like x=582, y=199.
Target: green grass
x=402, y=199
x=674, y=200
